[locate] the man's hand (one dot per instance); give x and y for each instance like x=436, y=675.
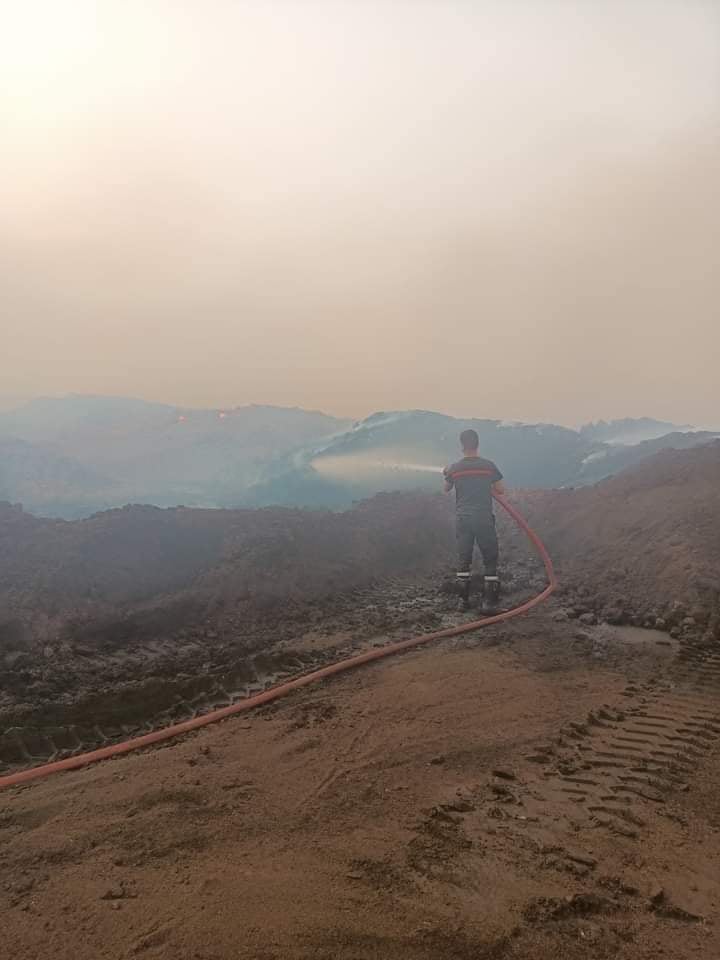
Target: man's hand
x=499, y=488
x=448, y=481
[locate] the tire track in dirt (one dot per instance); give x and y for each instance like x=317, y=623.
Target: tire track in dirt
x=615, y=772
x=28, y=746
x=183, y=698
x=624, y=761
x=172, y=690
x=622, y=764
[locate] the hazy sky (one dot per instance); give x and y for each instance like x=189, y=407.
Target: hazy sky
x=491, y=208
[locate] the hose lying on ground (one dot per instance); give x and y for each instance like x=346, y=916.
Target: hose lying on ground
x=283, y=689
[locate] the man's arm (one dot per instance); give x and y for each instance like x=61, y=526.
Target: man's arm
x=448, y=483
x=498, y=487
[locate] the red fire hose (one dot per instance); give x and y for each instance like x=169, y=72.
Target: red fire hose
x=283, y=689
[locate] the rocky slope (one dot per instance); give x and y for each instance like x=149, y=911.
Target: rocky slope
x=645, y=543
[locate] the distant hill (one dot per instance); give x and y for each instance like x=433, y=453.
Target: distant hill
x=409, y=445
x=40, y=475
x=125, y=450
x=406, y=450
x=73, y=456
x=614, y=458
x=630, y=431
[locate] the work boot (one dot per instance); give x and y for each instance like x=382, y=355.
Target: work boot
x=463, y=589
x=491, y=594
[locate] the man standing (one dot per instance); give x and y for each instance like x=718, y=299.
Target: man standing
x=474, y=480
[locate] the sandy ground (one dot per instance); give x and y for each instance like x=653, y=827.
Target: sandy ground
x=516, y=794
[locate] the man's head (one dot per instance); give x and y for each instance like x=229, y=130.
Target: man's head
x=469, y=441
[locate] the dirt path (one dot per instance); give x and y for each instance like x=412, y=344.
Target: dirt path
x=518, y=794
x=71, y=706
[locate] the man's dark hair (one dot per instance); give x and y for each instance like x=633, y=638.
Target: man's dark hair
x=469, y=440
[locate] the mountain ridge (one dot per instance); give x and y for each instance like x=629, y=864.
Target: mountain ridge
x=71, y=457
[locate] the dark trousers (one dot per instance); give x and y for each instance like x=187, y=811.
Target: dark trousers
x=480, y=529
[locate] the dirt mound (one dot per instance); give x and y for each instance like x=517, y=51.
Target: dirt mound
x=645, y=543
x=58, y=578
